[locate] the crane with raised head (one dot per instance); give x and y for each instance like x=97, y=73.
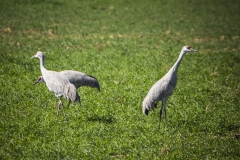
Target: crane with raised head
x=164, y=87
x=57, y=83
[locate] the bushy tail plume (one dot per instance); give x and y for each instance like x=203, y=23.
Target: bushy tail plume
x=148, y=105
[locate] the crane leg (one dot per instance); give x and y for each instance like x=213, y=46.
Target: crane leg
x=160, y=115
x=164, y=108
x=78, y=99
x=63, y=112
x=59, y=104
x=165, y=114
x=69, y=103
x=80, y=102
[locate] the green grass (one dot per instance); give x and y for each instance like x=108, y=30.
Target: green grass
x=128, y=46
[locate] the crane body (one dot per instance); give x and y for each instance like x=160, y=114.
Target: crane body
x=164, y=87
x=78, y=79
x=57, y=83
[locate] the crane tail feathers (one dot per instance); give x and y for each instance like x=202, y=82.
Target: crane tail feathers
x=148, y=105
x=146, y=112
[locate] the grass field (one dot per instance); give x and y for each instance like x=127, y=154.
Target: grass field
x=128, y=46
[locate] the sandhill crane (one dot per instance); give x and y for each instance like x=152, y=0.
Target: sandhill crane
x=40, y=80
x=57, y=83
x=78, y=79
x=164, y=87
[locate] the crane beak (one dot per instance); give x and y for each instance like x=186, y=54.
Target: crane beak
x=35, y=82
x=194, y=50
x=32, y=57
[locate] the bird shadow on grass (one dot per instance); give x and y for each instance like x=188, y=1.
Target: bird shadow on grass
x=102, y=119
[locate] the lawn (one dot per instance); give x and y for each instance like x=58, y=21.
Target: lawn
x=128, y=46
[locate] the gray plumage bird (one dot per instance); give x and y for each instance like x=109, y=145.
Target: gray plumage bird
x=164, y=87
x=78, y=79
x=57, y=83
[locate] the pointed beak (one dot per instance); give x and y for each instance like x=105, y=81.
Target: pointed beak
x=35, y=82
x=194, y=50
x=32, y=57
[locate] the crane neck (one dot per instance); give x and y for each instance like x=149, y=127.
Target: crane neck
x=178, y=62
x=42, y=67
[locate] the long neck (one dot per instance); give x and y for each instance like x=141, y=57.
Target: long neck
x=43, y=69
x=177, y=63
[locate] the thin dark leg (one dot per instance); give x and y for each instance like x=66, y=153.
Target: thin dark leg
x=80, y=103
x=59, y=104
x=79, y=100
x=69, y=103
x=160, y=115
x=164, y=108
x=165, y=115
x=63, y=112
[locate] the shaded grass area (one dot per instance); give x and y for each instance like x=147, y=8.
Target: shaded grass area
x=128, y=46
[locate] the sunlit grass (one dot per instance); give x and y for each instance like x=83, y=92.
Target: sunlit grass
x=128, y=46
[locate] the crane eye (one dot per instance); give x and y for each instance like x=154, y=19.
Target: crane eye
x=188, y=47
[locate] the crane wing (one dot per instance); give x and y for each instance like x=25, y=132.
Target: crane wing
x=158, y=90
x=79, y=79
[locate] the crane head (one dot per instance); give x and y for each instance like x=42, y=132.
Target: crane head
x=39, y=54
x=40, y=79
x=186, y=49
